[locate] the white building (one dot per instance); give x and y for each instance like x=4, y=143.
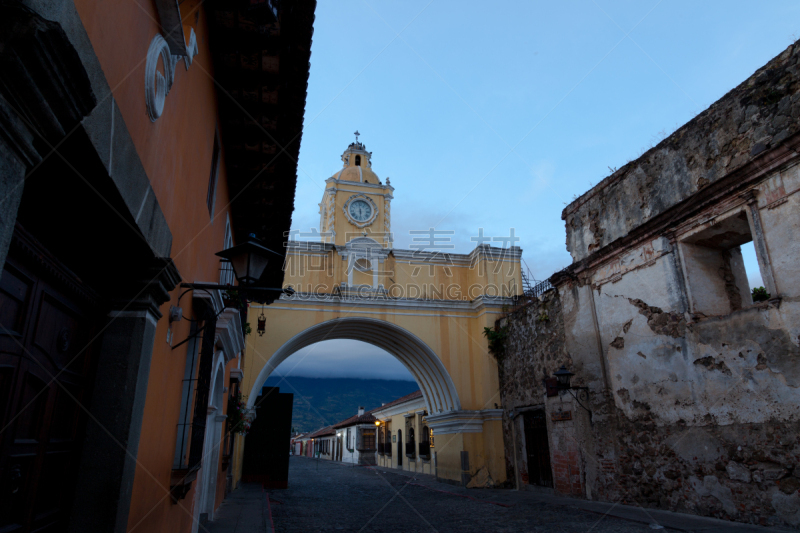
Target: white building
x=356, y=438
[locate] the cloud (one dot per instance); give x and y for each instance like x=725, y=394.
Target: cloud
x=343, y=359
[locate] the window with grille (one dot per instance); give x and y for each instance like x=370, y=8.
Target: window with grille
x=226, y=276
x=212, y=179
x=368, y=440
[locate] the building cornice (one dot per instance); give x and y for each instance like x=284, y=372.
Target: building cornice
x=380, y=299
x=368, y=185
x=462, y=421
x=513, y=253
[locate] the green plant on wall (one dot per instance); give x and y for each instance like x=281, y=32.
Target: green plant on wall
x=760, y=294
x=497, y=340
x=232, y=298
x=236, y=411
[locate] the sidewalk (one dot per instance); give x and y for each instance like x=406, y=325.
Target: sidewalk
x=245, y=510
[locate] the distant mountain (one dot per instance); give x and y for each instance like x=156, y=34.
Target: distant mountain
x=320, y=402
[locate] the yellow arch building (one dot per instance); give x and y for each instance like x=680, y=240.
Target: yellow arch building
x=425, y=306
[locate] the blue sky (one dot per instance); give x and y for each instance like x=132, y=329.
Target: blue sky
x=496, y=115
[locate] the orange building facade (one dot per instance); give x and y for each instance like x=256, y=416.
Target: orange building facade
x=137, y=139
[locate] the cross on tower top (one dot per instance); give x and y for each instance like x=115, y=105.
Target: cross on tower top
x=357, y=134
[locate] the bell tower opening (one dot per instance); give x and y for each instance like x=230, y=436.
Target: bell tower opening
x=358, y=160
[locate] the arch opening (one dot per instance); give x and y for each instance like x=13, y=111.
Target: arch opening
x=426, y=368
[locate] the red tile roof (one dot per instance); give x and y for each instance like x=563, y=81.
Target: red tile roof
x=406, y=398
x=328, y=430
x=366, y=418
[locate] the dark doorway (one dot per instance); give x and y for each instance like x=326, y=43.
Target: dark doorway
x=399, y=447
x=46, y=368
x=537, y=449
x=266, y=459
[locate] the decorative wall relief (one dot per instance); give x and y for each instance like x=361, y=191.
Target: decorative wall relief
x=157, y=83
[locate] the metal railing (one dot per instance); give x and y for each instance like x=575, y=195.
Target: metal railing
x=530, y=286
x=424, y=450
x=410, y=449
x=540, y=288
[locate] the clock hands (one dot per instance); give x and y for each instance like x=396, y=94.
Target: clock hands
x=360, y=211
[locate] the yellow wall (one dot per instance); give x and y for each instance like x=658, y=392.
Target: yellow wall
x=456, y=337
x=486, y=273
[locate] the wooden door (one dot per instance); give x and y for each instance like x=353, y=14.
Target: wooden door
x=45, y=374
x=537, y=449
x=400, y=447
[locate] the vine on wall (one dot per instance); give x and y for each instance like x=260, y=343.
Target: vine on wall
x=497, y=341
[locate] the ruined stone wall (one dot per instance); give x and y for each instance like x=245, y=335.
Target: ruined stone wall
x=743, y=472
x=691, y=411
x=753, y=118
x=681, y=429
x=692, y=399
x=534, y=347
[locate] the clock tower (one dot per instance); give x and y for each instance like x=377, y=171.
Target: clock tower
x=355, y=208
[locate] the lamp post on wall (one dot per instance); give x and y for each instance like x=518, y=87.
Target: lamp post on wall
x=248, y=260
x=563, y=378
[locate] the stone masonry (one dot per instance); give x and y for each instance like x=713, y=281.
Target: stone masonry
x=692, y=402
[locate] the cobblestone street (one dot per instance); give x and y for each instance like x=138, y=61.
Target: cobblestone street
x=329, y=496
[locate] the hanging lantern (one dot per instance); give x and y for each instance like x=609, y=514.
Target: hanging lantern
x=563, y=376
x=262, y=324
x=248, y=260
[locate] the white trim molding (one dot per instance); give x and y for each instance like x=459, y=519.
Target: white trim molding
x=462, y=421
x=228, y=335
x=212, y=297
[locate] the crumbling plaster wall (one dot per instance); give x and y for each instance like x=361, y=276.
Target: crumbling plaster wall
x=756, y=116
x=690, y=412
x=716, y=437
x=779, y=207
x=701, y=372
x=536, y=347
x=707, y=411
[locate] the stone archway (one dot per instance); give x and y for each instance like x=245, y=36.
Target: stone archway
x=433, y=379
x=211, y=452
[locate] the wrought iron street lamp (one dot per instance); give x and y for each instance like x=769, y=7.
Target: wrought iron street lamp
x=563, y=376
x=248, y=260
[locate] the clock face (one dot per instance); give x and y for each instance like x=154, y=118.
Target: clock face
x=360, y=210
